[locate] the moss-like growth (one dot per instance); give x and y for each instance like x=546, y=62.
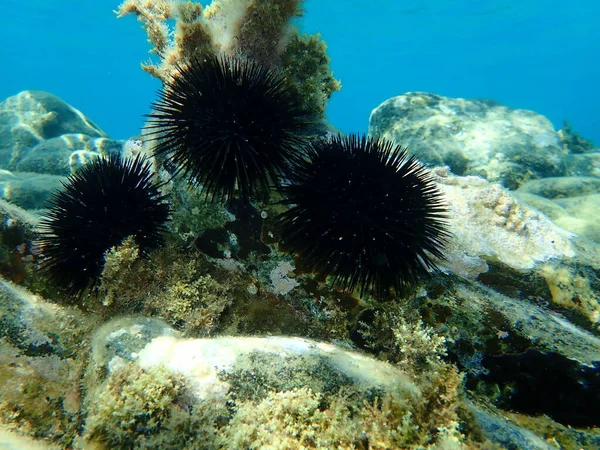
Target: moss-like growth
x=263, y=30
x=119, y=262
x=307, y=68
x=172, y=284
x=138, y=409
x=260, y=30
x=192, y=212
x=40, y=396
x=193, y=302
x=413, y=346
x=572, y=142
x=302, y=418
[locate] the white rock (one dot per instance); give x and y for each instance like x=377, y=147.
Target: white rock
x=200, y=361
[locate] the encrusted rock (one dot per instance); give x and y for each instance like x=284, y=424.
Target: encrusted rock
x=491, y=226
x=472, y=137
x=571, y=202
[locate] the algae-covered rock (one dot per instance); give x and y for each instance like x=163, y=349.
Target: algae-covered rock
x=16, y=230
x=562, y=187
x=247, y=392
x=42, y=351
x=472, y=137
x=63, y=155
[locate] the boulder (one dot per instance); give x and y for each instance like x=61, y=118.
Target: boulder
x=472, y=137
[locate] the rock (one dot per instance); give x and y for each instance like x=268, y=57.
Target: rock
x=578, y=384
x=583, y=216
x=64, y=154
x=257, y=392
x=10, y=440
x=40, y=133
x=28, y=190
x=472, y=137
x=491, y=227
x=563, y=187
x=504, y=243
x=40, y=364
x=35, y=327
x=31, y=117
x=507, y=433
x=120, y=340
x=205, y=362
x=571, y=202
x=583, y=165
x=572, y=142
x=16, y=230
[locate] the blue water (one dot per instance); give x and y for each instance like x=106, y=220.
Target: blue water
x=542, y=55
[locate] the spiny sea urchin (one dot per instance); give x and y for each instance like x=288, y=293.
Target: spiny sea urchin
x=364, y=212
x=98, y=207
x=228, y=124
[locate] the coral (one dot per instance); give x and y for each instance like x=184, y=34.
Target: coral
x=364, y=212
x=260, y=30
x=230, y=125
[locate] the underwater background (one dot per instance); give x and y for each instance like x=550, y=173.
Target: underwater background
x=538, y=55
x=237, y=275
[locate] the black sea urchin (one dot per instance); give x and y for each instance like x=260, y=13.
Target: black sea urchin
x=98, y=207
x=364, y=212
x=228, y=124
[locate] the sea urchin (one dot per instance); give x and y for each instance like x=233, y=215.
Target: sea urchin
x=363, y=212
x=98, y=207
x=229, y=124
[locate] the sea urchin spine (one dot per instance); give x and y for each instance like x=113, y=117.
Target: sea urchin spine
x=98, y=207
x=231, y=125
x=365, y=213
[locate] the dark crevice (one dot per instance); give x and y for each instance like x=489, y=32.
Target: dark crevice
x=537, y=383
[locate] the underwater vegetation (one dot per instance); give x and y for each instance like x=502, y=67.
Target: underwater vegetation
x=259, y=30
x=365, y=212
x=99, y=206
x=228, y=124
